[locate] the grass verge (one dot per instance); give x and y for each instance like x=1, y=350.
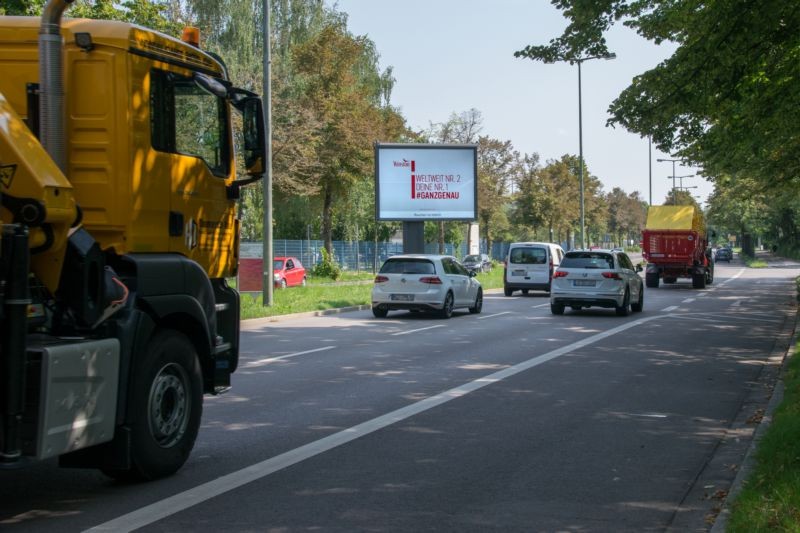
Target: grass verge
x=770, y=499
x=321, y=294
x=752, y=262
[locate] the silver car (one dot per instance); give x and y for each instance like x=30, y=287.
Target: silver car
x=597, y=278
x=423, y=282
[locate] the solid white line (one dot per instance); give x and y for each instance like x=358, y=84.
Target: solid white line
x=262, y=362
x=415, y=330
x=184, y=500
x=670, y=308
x=494, y=315
x=540, y=305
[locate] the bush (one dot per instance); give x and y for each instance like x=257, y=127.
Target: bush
x=327, y=267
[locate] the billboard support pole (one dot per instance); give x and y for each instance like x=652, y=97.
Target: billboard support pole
x=413, y=237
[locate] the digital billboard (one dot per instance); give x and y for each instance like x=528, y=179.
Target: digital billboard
x=426, y=181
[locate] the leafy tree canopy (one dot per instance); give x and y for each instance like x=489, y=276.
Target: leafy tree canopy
x=726, y=99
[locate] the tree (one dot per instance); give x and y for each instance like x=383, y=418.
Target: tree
x=329, y=70
x=727, y=97
x=498, y=166
x=461, y=128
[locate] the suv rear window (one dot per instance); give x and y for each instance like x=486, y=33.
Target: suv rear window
x=528, y=256
x=408, y=266
x=587, y=260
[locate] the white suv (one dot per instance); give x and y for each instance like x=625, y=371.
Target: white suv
x=597, y=278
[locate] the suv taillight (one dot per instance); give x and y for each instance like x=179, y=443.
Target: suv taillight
x=431, y=280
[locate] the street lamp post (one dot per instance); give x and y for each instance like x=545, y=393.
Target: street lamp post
x=580, y=139
x=674, y=199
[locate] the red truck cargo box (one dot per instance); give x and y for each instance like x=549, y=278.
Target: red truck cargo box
x=671, y=246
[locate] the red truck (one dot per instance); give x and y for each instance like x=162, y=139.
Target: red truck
x=675, y=245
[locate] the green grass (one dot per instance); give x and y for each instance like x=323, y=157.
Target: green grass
x=770, y=499
x=324, y=293
x=752, y=262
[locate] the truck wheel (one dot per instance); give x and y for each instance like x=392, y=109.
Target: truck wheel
x=651, y=280
x=626, y=305
x=507, y=291
x=699, y=281
x=167, y=405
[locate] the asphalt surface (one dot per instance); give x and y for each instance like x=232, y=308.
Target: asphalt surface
x=511, y=420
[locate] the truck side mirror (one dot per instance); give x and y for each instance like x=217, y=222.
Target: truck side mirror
x=254, y=138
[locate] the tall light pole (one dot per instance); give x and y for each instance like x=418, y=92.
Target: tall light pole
x=267, y=271
x=680, y=186
x=674, y=199
x=650, y=166
x=580, y=138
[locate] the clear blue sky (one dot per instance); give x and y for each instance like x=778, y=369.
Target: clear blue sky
x=452, y=55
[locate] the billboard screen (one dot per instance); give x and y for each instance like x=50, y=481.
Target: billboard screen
x=426, y=181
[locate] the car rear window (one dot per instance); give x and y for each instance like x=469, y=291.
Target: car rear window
x=408, y=266
x=528, y=256
x=587, y=260
x=472, y=258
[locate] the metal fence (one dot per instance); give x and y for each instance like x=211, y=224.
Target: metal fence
x=350, y=255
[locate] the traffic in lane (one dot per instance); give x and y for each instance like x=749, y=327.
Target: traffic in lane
x=281, y=403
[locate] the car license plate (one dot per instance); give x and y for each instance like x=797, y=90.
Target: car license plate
x=519, y=273
x=583, y=283
x=402, y=297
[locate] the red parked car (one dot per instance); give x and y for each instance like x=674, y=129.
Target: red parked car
x=288, y=272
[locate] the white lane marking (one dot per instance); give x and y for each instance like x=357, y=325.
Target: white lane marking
x=732, y=277
x=494, y=315
x=737, y=303
x=184, y=500
x=670, y=308
x=645, y=415
x=688, y=301
x=702, y=294
x=262, y=362
x=540, y=305
x=415, y=330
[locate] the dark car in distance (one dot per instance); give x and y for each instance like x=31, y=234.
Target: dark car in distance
x=477, y=263
x=723, y=254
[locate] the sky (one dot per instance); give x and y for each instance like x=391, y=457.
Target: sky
x=450, y=56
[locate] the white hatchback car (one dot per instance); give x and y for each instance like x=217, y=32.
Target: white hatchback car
x=422, y=282
x=597, y=278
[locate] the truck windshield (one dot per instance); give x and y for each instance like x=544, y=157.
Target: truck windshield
x=187, y=120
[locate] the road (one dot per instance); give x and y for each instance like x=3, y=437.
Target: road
x=511, y=420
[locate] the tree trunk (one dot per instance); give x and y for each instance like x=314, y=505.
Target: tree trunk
x=327, y=225
x=441, y=237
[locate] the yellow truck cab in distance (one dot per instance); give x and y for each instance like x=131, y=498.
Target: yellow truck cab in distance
x=118, y=185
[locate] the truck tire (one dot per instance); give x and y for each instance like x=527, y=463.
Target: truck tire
x=507, y=291
x=699, y=280
x=167, y=405
x=651, y=280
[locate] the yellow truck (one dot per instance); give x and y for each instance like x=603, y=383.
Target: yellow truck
x=675, y=245
x=118, y=228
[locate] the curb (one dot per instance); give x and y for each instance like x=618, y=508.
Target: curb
x=255, y=322
x=749, y=461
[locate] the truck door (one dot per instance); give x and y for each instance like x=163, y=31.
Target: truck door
x=193, y=125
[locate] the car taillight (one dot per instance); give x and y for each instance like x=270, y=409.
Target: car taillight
x=431, y=280
x=611, y=275
x=560, y=274
x=381, y=279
